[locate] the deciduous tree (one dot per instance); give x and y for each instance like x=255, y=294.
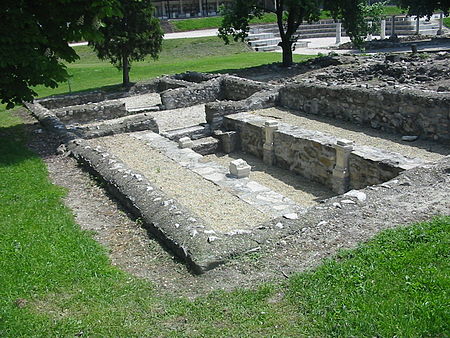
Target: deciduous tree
x=130, y=37
x=424, y=7
x=290, y=15
x=34, y=41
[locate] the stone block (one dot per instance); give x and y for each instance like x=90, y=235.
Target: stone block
x=239, y=168
x=185, y=142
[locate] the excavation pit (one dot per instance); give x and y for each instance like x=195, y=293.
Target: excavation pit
x=187, y=197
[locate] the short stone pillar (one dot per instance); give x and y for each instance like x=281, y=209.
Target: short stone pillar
x=338, y=33
x=185, y=142
x=270, y=127
x=383, y=29
x=341, y=173
x=239, y=168
x=441, y=24
x=417, y=25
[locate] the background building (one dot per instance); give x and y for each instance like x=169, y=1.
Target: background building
x=173, y=9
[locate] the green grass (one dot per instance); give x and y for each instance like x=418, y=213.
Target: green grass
x=393, y=10
x=447, y=22
x=215, y=22
x=207, y=54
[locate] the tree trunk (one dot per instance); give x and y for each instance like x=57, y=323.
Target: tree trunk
x=287, y=53
x=125, y=71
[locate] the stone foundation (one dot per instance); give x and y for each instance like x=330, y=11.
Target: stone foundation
x=318, y=156
x=408, y=112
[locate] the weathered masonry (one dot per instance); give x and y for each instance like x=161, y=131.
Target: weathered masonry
x=151, y=147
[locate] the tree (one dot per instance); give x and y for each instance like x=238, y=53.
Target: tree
x=424, y=8
x=34, y=36
x=130, y=37
x=290, y=15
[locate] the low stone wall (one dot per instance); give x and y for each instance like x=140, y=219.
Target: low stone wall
x=190, y=96
x=91, y=112
x=175, y=226
x=236, y=88
x=60, y=101
x=194, y=77
x=157, y=85
x=307, y=153
x=51, y=122
x=127, y=124
x=370, y=166
x=215, y=111
x=405, y=112
x=315, y=155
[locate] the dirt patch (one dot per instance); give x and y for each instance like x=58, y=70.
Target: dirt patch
x=421, y=71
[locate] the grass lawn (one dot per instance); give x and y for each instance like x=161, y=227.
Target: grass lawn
x=55, y=280
x=207, y=54
x=215, y=22
x=447, y=22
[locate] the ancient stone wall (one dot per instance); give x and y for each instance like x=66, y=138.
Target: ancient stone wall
x=91, y=112
x=194, y=77
x=236, y=88
x=425, y=114
x=190, y=96
x=215, y=111
x=370, y=166
x=60, y=101
x=151, y=86
x=307, y=153
x=314, y=154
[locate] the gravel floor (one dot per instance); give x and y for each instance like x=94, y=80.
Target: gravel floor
x=298, y=188
x=425, y=150
x=223, y=211
x=141, y=101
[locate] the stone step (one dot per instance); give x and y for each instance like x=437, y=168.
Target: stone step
x=264, y=42
x=258, y=36
x=194, y=133
x=206, y=146
x=269, y=48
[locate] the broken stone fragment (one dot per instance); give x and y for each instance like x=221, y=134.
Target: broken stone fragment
x=409, y=138
x=239, y=168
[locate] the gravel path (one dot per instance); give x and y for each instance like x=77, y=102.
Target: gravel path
x=424, y=150
x=298, y=188
x=223, y=211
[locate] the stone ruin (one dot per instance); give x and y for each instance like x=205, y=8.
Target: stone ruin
x=165, y=149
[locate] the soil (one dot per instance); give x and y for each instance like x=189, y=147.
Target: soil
x=420, y=71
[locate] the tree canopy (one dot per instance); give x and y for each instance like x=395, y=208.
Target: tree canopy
x=424, y=7
x=130, y=37
x=34, y=39
x=290, y=15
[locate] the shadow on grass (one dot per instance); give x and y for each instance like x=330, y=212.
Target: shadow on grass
x=12, y=149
